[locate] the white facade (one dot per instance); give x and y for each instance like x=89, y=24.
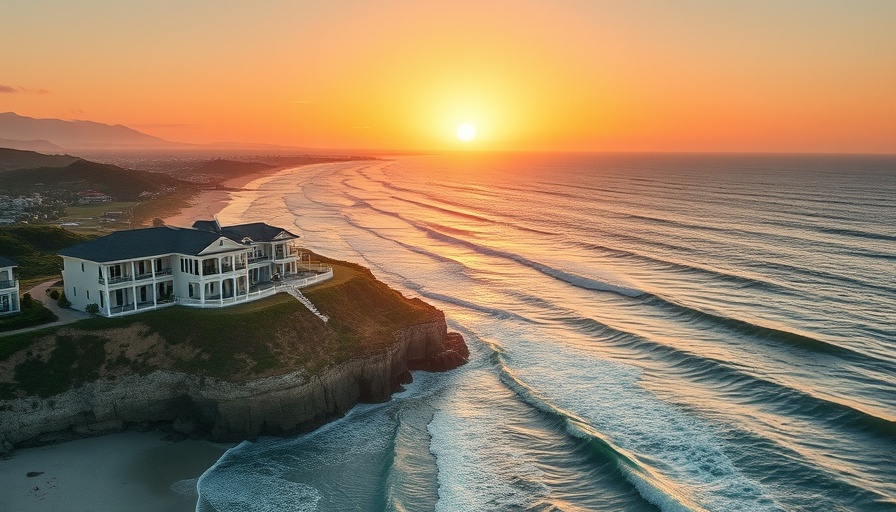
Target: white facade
x=9, y=291
x=224, y=273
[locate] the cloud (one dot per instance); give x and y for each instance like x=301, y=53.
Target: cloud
x=9, y=89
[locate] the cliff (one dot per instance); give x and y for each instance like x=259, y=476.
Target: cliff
x=222, y=410
x=266, y=368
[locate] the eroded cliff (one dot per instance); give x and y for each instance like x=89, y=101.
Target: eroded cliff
x=229, y=411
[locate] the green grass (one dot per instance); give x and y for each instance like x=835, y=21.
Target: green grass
x=37, y=314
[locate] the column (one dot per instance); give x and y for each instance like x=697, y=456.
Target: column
x=105, y=270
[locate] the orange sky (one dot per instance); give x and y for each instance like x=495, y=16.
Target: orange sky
x=770, y=75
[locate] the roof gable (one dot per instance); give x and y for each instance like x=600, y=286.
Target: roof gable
x=222, y=244
x=4, y=262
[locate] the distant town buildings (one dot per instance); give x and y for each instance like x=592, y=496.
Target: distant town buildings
x=92, y=196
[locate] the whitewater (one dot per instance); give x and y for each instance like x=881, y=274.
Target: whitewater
x=647, y=332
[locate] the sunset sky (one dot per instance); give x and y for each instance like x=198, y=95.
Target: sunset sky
x=800, y=75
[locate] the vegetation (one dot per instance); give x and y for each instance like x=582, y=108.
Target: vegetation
x=35, y=247
x=271, y=336
x=11, y=159
x=33, y=313
x=63, y=301
x=81, y=175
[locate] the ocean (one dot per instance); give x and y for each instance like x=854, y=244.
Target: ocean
x=647, y=332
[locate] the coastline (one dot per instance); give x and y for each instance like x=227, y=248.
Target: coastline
x=209, y=203
x=136, y=471
x=139, y=471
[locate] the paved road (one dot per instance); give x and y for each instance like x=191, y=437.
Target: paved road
x=66, y=316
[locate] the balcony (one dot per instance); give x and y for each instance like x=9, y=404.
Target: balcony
x=259, y=259
x=8, y=284
x=116, y=280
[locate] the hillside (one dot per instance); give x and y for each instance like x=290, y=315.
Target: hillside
x=81, y=175
x=35, y=247
x=11, y=159
x=74, y=135
x=230, y=168
x=42, y=146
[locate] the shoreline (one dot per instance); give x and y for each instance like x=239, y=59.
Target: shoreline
x=138, y=471
x=123, y=471
x=208, y=203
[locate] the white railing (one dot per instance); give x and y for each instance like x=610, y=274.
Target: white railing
x=285, y=285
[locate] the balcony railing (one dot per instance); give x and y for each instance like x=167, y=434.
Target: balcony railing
x=256, y=259
x=116, y=280
x=7, y=284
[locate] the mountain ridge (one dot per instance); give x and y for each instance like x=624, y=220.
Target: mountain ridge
x=77, y=134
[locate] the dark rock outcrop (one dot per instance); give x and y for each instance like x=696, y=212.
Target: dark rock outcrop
x=231, y=411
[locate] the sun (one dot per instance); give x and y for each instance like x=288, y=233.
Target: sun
x=466, y=132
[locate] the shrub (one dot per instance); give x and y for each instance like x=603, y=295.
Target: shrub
x=93, y=309
x=27, y=301
x=63, y=302
x=54, y=294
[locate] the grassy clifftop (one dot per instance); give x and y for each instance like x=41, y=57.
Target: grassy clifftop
x=268, y=337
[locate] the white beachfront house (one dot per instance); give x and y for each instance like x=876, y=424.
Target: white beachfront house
x=9, y=288
x=208, y=265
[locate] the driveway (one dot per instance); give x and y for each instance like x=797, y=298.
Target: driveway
x=66, y=316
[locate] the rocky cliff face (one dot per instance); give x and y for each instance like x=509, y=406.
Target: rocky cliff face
x=228, y=411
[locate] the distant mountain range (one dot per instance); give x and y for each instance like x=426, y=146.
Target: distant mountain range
x=56, y=135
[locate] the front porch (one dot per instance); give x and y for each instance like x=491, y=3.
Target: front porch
x=260, y=290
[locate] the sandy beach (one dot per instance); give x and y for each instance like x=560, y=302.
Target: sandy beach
x=127, y=471
x=209, y=202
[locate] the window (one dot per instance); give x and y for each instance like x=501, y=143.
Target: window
x=82, y=267
x=74, y=292
x=88, y=294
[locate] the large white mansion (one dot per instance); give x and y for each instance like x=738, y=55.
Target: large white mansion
x=9, y=288
x=208, y=265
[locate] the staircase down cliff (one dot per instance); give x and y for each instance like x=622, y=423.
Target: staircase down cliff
x=269, y=368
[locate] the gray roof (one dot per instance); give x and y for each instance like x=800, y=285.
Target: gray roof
x=7, y=262
x=257, y=231
x=142, y=243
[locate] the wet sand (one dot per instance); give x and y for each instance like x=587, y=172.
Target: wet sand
x=128, y=471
